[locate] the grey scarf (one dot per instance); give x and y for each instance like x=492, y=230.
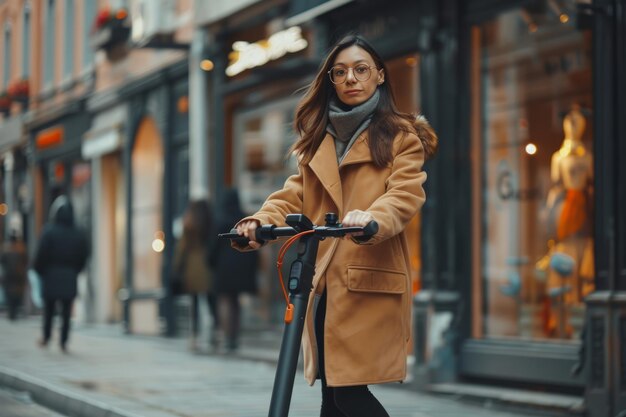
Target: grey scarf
x=347, y=124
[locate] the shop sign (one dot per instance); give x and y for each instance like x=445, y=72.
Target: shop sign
x=247, y=55
x=49, y=138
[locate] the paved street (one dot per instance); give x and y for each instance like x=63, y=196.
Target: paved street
x=122, y=375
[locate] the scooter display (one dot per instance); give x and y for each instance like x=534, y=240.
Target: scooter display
x=299, y=284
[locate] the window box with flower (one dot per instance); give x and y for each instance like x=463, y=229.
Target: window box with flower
x=18, y=91
x=110, y=31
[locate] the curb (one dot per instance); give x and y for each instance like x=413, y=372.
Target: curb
x=58, y=399
x=543, y=404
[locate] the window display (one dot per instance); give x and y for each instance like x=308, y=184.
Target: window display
x=532, y=68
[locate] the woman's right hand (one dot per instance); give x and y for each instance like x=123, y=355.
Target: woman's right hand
x=248, y=229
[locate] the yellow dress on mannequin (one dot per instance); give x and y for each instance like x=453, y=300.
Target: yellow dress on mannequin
x=569, y=200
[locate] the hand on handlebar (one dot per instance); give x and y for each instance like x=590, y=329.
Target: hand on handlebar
x=356, y=218
x=248, y=229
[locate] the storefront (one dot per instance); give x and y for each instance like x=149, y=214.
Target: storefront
x=520, y=231
x=253, y=103
x=532, y=188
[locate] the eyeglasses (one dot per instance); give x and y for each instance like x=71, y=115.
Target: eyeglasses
x=339, y=74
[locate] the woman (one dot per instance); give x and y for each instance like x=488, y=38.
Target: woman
x=361, y=158
x=191, y=266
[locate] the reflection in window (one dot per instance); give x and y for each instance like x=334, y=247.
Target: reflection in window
x=537, y=252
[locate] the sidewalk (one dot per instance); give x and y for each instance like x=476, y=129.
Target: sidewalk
x=108, y=374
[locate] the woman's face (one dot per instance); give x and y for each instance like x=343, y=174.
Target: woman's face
x=351, y=68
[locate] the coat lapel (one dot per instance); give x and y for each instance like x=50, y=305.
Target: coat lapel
x=324, y=165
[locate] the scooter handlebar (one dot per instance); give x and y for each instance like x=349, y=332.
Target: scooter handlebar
x=272, y=232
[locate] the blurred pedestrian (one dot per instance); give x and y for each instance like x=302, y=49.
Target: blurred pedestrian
x=360, y=157
x=235, y=273
x=191, y=268
x=14, y=263
x=61, y=254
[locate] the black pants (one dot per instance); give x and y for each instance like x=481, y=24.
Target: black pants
x=14, y=301
x=50, y=305
x=354, y=401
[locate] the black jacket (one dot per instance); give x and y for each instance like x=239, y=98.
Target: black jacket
x=62, y=252
x=234, y=271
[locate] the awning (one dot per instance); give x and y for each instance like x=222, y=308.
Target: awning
x=105, y=135
x=101, y=143
x=301, y=13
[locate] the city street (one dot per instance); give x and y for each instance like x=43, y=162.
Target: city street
x=109, y=374
x=484, y=137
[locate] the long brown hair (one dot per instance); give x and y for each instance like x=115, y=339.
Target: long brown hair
x=311, y=116
x=197, y=222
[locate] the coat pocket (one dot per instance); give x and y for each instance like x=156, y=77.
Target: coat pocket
x=376, y=280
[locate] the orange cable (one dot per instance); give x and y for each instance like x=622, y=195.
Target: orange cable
x=279, y=264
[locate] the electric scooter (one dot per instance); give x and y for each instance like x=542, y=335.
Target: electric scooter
x=299, y=284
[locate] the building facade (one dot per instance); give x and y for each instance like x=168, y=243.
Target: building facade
x=103, y=118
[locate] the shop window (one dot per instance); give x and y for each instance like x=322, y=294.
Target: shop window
x=531, y=116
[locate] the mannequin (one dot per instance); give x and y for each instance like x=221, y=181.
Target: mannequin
x=570, y=205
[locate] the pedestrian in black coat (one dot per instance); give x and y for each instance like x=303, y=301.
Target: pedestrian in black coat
x=234, y=272
x=61, y=254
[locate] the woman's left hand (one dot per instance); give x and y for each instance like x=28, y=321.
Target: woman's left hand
x=356, y=218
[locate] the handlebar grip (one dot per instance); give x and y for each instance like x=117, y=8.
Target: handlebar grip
x=369, y=231
x=240, y=241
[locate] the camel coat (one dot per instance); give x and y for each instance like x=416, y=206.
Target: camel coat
x=368, y=316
